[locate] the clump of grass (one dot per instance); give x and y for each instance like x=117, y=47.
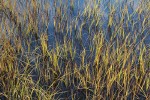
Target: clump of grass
x=112, y=62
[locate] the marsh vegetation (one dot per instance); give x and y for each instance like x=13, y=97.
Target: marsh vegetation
x=74, y=49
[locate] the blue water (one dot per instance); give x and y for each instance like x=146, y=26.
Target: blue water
x=80, y=5
x=85, y=41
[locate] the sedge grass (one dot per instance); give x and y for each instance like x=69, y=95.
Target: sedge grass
x=31, y=67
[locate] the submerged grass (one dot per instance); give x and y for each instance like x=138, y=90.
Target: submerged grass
x=58, y=50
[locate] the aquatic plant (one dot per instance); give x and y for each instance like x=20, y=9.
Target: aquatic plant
x=96, y=49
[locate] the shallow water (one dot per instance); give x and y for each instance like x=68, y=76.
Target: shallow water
x=80, y=5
